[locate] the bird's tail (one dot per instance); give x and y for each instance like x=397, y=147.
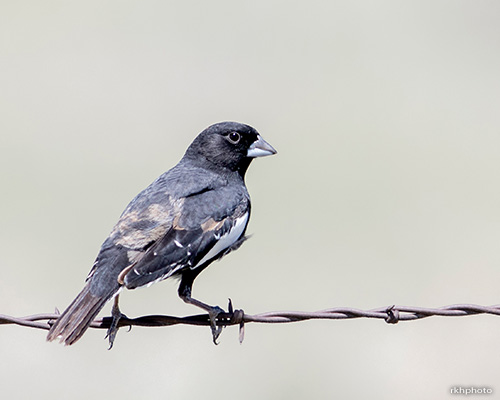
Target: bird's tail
x=76, y=319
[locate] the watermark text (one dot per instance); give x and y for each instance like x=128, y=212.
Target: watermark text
x=470, y=390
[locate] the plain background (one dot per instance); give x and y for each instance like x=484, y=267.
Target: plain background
x=385, y=190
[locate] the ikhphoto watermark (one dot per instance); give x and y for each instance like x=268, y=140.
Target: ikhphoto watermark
x=470, y=390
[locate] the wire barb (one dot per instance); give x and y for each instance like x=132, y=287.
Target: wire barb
x=392, y=315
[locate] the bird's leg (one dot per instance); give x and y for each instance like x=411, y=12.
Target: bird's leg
x=213, y=311
x=113, y=328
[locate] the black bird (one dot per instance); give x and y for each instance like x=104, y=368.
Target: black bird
x=190, y=216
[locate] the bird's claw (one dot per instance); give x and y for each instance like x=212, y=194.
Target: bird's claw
x=113, y=328
x=213, y=313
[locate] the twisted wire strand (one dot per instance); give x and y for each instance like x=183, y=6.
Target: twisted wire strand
x=391, y=314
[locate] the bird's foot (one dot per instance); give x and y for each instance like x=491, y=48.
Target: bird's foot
x=217, y=321
x=113, y=329
x=116, y=315
x=213, y=313
x=231, y=317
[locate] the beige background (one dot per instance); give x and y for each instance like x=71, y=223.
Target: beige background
x=385, y=190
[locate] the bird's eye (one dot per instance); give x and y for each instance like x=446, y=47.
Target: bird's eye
x=234, y=137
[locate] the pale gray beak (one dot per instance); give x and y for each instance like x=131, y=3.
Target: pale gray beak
x=260, y=148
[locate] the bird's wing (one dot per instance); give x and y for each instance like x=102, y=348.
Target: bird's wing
x=172, y=224
x=203, y=232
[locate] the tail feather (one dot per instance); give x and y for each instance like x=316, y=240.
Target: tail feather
x=76, y=319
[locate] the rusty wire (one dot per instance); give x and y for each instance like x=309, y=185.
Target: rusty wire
x=392, y=315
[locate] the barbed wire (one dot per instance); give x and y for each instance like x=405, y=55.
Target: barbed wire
x=392, y=315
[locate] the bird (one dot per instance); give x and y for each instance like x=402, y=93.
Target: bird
x=193, y=214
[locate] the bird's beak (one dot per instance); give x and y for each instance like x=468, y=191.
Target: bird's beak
x=260, y=148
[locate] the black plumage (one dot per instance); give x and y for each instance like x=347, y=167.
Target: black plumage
x=190, y=216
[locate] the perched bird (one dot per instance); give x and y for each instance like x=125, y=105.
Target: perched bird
x=190, y=216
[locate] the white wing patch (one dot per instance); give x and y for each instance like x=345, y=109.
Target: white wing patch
x=227, y=240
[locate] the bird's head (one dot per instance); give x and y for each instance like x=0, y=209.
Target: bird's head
x=229, y=145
